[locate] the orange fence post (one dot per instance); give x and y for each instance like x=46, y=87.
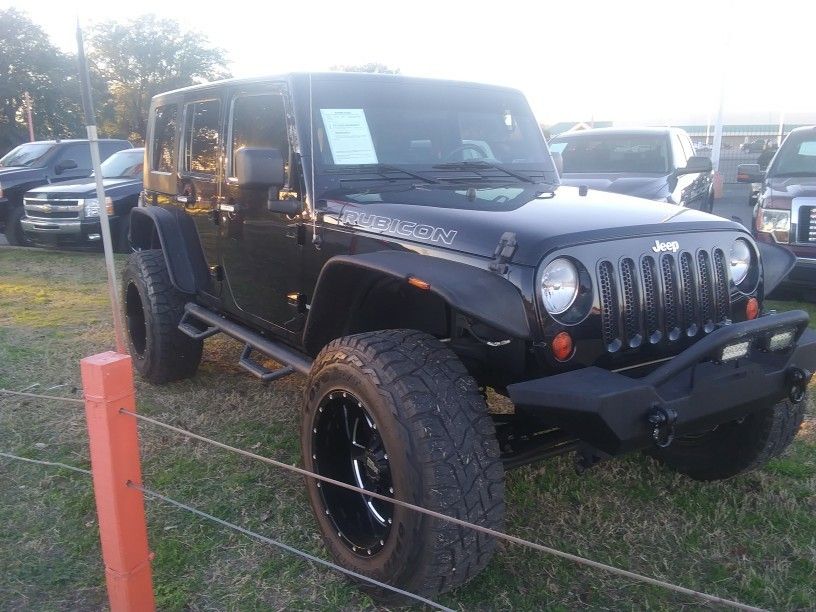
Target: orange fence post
x=107, y=379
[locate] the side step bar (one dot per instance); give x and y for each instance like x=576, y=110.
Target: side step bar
x=292, y=360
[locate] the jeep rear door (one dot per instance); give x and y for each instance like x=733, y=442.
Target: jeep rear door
x=261, y=251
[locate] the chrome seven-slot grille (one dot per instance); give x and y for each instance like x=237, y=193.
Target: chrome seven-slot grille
x=42, y=208
x=662, y=297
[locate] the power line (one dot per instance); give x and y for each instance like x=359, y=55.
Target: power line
x=41, y=396
x=48, y=463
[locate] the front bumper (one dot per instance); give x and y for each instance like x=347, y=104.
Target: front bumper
x=66, y=232
x=616, y=413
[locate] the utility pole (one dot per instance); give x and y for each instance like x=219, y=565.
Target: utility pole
x=28, y=104
x=90, y=123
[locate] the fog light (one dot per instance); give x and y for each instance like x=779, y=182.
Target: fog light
x=562, y=346
x=735, y=351
x=781, y=340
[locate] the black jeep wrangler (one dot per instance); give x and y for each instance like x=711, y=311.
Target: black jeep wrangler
x=404, y=244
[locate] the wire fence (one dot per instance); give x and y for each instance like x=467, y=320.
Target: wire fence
x=708, y=598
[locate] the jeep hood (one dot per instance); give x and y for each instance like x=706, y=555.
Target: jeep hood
x=650, y=187
x=473, y=223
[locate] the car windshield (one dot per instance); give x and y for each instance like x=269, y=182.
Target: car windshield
x=26, y=154
x=425, y=131
x=610, y=153
x=124, y=164
x=797, y=157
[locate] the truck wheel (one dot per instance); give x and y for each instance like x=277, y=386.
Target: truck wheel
x=736, y=447
x=153, y=309
x=14, y=231
x=395, y=412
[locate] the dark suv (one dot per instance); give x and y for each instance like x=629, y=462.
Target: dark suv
x=67, y=214
x=39, y=163
x=786, y=208
x=405, y=245
x=655, y=163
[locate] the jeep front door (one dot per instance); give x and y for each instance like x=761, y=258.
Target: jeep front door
x=261, y=250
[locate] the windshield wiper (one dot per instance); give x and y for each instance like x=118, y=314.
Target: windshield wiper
x=483, y=165
x=383, y=170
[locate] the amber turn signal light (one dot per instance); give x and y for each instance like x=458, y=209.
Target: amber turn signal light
x=752, y=309
x=419, y=283
x=562, y=346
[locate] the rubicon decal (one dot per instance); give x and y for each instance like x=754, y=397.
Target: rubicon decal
x=662, y=247
x=409, y=229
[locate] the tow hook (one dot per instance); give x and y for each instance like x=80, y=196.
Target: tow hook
x=798, y=380
x=662, y=420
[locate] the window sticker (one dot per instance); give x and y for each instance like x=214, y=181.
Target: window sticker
x=808, y=148
x=349, y=137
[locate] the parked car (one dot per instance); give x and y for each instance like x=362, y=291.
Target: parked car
x=654, y=163
x=405, y=244
x=786, y=209
x=67, y=214
x=39, y=163
x=754, y=146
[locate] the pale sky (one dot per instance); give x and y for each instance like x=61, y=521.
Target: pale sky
x=628, y=60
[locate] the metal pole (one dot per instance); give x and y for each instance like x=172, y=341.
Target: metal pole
x=28, y=103
x=90, y=122
x=781, y=131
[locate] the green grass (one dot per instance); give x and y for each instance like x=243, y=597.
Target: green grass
x=751, y=538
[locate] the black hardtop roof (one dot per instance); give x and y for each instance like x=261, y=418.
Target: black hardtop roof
x=622, y=131
x=351, y=77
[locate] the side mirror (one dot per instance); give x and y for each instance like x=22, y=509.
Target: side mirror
x=65, y=164
x=256, y=167
x=749, y=173
x=558, y=160
x=696, y=164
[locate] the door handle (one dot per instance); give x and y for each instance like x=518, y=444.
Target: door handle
x=233, y=208
x=184, y=198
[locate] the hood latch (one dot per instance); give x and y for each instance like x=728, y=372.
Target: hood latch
x=504, y=253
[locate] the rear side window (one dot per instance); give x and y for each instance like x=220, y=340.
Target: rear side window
x=201, y=137
x=80, y=153
x=259, y=121
x=163, y=154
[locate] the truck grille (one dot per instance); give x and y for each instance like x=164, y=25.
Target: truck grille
x=663, y=296
x=40, y=208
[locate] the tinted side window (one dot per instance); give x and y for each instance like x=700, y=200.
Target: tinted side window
x=259, y=121
x=201, y=137
x=80, y=153
x=163, y=154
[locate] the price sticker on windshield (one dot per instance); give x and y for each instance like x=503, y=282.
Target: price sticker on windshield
x=349, y=136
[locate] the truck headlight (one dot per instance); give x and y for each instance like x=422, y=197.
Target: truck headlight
x=91, y=207
x=559, y=285
x=774, y=222
x=740, y=260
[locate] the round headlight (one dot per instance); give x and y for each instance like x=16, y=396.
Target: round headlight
x=559, y=285
x=740, y=260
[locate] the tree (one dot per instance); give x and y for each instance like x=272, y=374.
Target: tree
x=374, y=67
x=147, y=56
x=30, y=63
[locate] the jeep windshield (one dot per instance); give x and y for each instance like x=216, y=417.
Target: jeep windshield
x=797, y=157
x=26, y=155
x=613, y=153
x=425, y=132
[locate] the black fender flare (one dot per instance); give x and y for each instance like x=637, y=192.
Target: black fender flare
x=483, y=295
x=173, y=231
x=777, y=264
